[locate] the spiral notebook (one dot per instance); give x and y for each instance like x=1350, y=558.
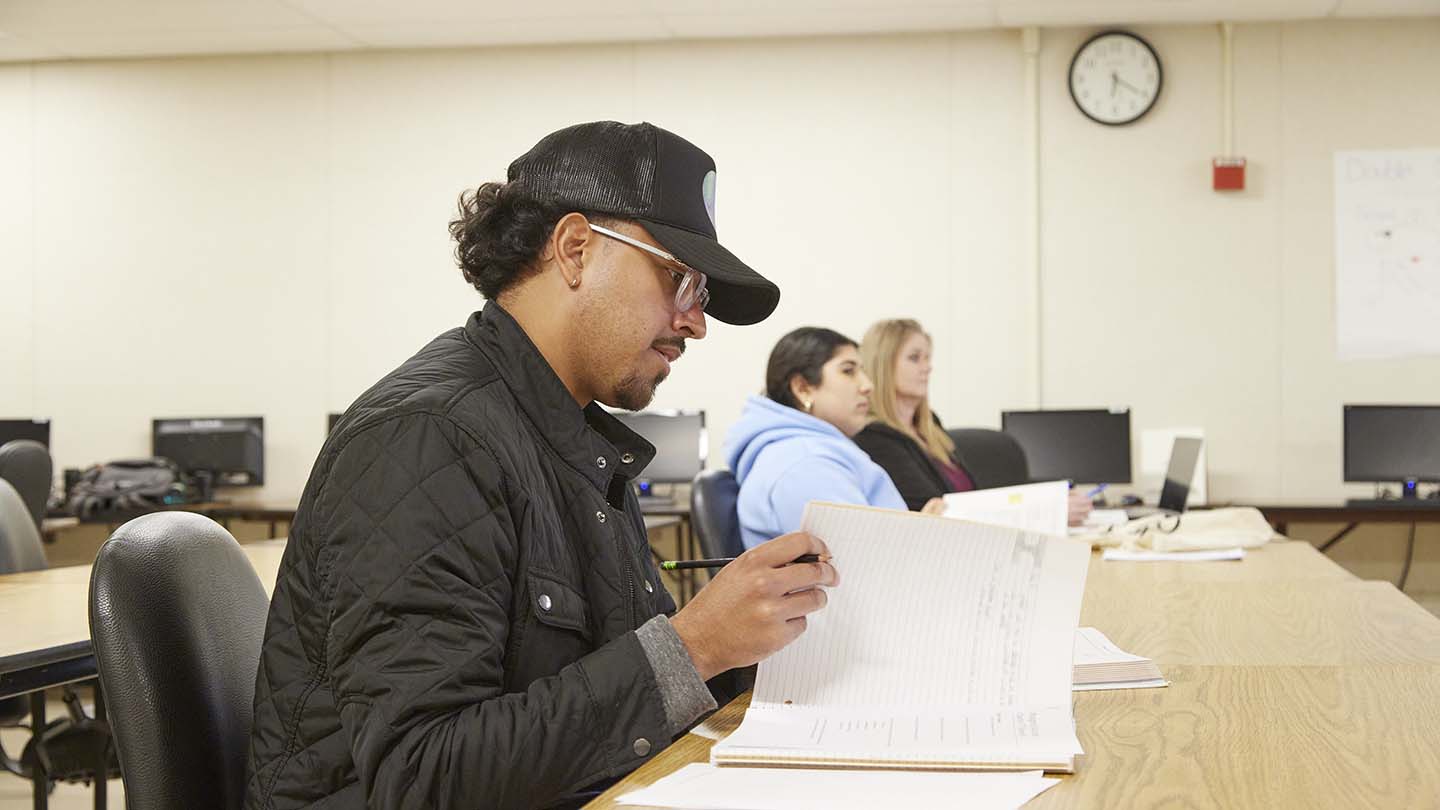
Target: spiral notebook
x=947, y=646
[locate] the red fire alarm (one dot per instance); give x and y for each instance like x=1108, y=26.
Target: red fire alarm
x=1229, y=173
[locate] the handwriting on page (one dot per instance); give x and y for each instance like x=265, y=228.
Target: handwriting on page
x=976, y=595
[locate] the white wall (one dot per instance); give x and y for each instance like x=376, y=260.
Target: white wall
x=268, y=235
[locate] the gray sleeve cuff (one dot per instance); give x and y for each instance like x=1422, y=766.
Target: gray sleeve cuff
x=684, y=695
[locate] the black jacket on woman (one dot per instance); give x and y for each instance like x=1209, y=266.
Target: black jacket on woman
x=911, y=468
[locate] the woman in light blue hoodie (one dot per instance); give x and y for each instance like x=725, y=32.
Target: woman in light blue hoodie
x=793, y=445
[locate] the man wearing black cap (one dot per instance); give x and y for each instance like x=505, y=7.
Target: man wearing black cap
x=467, y=614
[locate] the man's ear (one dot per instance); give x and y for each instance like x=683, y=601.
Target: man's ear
x=569, y=245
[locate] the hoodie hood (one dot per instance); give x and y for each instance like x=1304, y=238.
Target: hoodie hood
x=784, y=459
x=765, y=422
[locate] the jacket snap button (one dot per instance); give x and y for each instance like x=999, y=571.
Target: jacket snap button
x=642, y=747
x=627, y=459
x=600, y=516
x=600, y=462
x=544, y=601
x=648, y=587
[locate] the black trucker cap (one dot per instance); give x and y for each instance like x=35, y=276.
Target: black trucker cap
x=643, y=173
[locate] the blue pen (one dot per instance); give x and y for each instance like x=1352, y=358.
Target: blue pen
x=1096, y=491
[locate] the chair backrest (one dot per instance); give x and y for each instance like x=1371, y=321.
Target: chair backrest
x=713, y=496
x=994, y=459
x=20, y=548
x=26, y=464
x=177, y=615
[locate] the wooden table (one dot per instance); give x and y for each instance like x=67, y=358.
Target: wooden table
x=1413, y=511
x=1293, y=685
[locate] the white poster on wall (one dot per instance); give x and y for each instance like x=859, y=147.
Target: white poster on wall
x=1387, y=253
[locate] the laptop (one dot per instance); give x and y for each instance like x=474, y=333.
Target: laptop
x=1184, y=455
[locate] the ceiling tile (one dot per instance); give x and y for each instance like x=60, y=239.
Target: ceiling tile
x=86, y=45
x=1123, y=12
x=1388, y=8
x=350, y=13
x=787, y=21
x=16, y=49
x=507, y=32
x=34, y=17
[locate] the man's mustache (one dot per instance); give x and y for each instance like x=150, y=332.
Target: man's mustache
x=678, y=343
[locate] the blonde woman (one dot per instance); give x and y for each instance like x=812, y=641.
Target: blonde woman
x=904, y=436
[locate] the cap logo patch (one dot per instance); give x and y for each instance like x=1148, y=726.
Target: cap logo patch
x=707, y=190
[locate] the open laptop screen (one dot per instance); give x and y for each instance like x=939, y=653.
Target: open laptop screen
x=1184, y=455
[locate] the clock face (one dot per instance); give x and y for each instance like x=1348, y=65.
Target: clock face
x=1115, y=78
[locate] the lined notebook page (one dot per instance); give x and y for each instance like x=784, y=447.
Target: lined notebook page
x=945, y=641
x=933, y=611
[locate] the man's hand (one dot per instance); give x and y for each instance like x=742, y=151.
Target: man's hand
x=755, y=605
x=1078, y=507
x=934, y=506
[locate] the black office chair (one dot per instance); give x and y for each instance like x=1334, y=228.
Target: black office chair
x=713, y=496
x=19, y=551
x=20, y=547
x=65, y=749
x=177, y=616
x=994, y=459
x=26, y=464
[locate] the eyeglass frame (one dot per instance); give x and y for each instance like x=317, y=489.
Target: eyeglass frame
x=687, y=286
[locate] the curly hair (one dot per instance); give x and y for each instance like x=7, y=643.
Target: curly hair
x=499, y=233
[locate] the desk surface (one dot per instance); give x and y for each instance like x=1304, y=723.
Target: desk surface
x=1293, y=684
x=46, y=613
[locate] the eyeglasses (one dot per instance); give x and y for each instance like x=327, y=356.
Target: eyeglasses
x=690, y=283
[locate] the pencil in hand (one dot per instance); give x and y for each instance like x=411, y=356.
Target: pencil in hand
x=721, y=562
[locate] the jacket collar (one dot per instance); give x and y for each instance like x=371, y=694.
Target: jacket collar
x=590, y=440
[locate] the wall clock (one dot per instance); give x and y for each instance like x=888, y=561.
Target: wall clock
x=1115, y=78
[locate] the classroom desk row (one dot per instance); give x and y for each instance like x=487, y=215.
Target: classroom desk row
x=1293, y=685
x=47, y=638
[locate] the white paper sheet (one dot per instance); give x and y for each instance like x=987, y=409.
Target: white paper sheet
x=1122, y=555
x=1092, y=647
x=1100, y=518
x=1032, y=507
x=1387, y=253
x=707, y=787
x=1154, y=683
x=934, y=618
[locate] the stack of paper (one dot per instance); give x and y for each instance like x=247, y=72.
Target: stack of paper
x=1141, y=555
x=1099, y=664
x=704, y=787
x=947, y=645
x=1032, y=507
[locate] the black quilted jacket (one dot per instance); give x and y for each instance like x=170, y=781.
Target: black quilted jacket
x=453, y=624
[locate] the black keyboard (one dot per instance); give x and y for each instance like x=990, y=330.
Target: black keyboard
x=1394, y=503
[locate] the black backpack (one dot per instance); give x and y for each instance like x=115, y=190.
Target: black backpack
x=128, y=485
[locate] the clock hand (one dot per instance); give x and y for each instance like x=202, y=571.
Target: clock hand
x=1128, y=86
x=1114, y=79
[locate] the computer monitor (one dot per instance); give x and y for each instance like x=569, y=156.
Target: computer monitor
x=680, y=444
x=37, y=430
x=1085, y=446
x=230, y=452
x=1392, y=443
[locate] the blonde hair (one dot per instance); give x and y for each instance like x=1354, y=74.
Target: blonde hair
x=879, y=353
